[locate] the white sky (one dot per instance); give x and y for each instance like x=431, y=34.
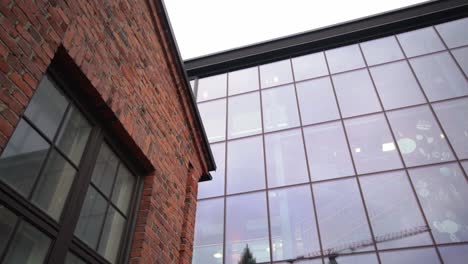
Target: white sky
x=208, y=26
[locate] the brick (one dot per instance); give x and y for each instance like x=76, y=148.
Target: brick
x=5, y=128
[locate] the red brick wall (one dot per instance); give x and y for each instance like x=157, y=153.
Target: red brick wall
x=120, y=48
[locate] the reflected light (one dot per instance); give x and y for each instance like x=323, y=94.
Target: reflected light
x=388, y=146
x=268, y=249
x=217, y=255
x=205, y=95
x=275, y=79
x=357, y=150
x=442, y=136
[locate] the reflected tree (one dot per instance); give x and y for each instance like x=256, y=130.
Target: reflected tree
x=247, y=256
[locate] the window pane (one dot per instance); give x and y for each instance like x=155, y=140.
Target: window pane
x=420, y=42
x=212, y=87
x=439, y=76
x=285, y=158
x=356, y=259
x=123, y=189
x=393, y=209
x=276, y=73
x=453, y=116
x=73, y=259
x=317, y=101
x=111, y=235
x=192, y=85
x=209, y=226
x=244, y=115
x=293, y=228
x=420, y=139
x=213, y=115
x=54, y=185
x=91, y=218
x=345, y=58
x=279, y=108
x=465, y=166
x=454, y=33
x=246, y=224
x=457, y=254
x=7, y=223
x=74, y=135
x=356, y=94
x=372, y=144
x=28, y=246
x=461, y=55
x=215, y=187
x=309, y=66
x=396, y=85
x=47, y=107
x=327, y=151
x=243, y=81
x=443, y=192
x=381, y=50
x=340, y=213
x=245, y=167
x=22, y=158
x=105, y=169
x=421, y=255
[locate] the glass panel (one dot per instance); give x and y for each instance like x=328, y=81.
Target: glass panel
x=245, y=167
x=355, y=259
x=279, y=108
x=209, y=226
x=74, y=135
x=453, y=116
x=317, y=101
x=91, y=217
x=443, y=192
x=123, y=189
x=54, y=185
x=396, y=85
x=72, y=259
x=7, y=223
x=285, y=158
x=465, y=166
x=340, y=214
x=111, y=235
x=356, y=94
x=309, y=66
x=244, y=115
x=47, y=107
x=345, y=58
x=29, y=246
x=420, y=42
x=372, y=144
x=246, y=224
x=22, y=158
x=457, y=254
x=105, y=169
x=327, y=151
x=421, y=255
x=192, y=85
x=454, y=32
x=242, y=81
x=309, y=261
x=276, y=73
x=439, y=76
x=213, y=115
x=420, y=139
x=393, y=211
x=293, y=228
x=212, y=87
x=381, y=50
x=461, y=55
x=215, y=187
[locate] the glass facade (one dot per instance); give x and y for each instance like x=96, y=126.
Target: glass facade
x=357, y=154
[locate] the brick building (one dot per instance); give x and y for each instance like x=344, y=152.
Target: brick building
x=101, y=143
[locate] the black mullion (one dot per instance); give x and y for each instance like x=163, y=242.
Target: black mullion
x=108, y=200
x=10, y=238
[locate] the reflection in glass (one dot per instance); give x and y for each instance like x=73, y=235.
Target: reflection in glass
x=456, y=254
x=244, y=115
x=454, y=32
x=213, y=115
x=105, y=169
x=22, y=158
x=123, y=188
x=381, y=50
x=327, y=151
x=345, y=58
x=73, y=259
x=421, y=41
x=292, y=220
x=443, y=192
x=356, y=259
x=276, y=73
x=393, y=209
x=356, y=94
x=246, y=224
x=439, y=76
x=192, y=85
x=91, y=217
x=396, y=85
x=461, y=55
x=340, y=213
x=111, y=235
x=317, y=101
x=208, y=242
x=215, y=187
x=7, y=223
x=420, y=139
x=309, y=66
x=420, y=255
x=212, y=87
x=245, y=167
x=372, y=144
x=242, y=81
x=465, y=166
x=285, y=158
x=279, y=108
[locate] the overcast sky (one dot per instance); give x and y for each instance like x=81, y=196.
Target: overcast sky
x=208, y=26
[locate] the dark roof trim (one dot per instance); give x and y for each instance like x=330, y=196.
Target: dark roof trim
x=372, y=27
